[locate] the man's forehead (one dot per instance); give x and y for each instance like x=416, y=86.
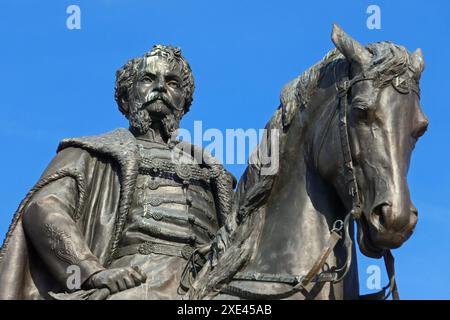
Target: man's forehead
x=160, y=64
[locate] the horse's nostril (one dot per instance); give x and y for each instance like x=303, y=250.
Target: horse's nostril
x=383, y=213
x=414, y=210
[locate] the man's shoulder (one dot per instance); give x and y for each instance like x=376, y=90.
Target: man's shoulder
x=118, y=143
x=118, y=146
x=118, y=139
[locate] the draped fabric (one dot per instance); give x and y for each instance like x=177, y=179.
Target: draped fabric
x=85, y=184
x=92, y=179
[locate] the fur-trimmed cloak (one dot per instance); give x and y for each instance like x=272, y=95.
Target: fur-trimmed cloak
x=104, y=169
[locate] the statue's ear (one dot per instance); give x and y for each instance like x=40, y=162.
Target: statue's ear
x=122, y=101
x=350, y=48
x=418, y=62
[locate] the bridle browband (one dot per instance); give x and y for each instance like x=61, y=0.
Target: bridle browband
x=341, y=229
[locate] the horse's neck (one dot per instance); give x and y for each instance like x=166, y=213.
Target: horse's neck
x=299, y=212
x=302, y=207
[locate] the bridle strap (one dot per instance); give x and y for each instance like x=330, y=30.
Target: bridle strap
x=349, y=171
x=298, y=283
x=391, y=287
x=389, y=262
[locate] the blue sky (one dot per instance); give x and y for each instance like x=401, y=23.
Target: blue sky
x=57, y=83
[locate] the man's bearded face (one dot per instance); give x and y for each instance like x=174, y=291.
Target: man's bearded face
x=157, y=96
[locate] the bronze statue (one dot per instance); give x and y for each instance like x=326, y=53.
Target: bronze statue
x=127, y=208
x=144, y=216
x=348, y=127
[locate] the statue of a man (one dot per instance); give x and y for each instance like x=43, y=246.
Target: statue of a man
x=122, y=211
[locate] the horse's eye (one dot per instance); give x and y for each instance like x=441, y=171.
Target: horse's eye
x=360, y=112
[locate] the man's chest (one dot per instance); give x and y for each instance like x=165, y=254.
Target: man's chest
x=173, y=197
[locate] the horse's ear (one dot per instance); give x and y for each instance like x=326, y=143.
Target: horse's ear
x=349, y=47
x=417, y=62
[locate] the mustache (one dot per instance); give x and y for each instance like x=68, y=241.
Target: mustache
x=154, y=96
x=141, y=120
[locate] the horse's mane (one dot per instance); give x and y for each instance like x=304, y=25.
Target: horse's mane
x=388, y=60
x=299, y=91
x=235, y=243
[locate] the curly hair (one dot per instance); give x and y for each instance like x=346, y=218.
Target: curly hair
x=125, y=76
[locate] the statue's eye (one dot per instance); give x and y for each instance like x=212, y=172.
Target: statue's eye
x=173, y=83
x=147, y=79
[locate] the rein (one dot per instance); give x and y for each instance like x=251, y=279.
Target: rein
x=340, y=229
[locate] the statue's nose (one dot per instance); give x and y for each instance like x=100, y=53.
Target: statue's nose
x=159, y=85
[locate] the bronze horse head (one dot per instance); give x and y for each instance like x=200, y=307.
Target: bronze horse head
x=385, y=121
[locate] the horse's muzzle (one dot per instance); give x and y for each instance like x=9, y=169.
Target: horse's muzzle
x=388, y=228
